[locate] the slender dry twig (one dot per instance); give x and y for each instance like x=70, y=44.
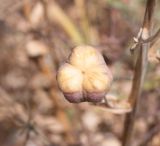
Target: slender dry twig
x=54, y=13
x=81, y=6
x=140, y=71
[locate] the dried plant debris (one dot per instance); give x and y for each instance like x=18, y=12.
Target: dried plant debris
x=36, y=48
x=27, y=123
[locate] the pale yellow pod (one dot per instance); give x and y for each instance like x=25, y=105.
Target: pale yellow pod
x=69, y=79
x=85, y=77
x=84, y=57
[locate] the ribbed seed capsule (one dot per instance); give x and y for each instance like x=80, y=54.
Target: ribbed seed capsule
x=85, y=77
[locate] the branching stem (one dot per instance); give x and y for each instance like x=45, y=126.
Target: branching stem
x=139, y=74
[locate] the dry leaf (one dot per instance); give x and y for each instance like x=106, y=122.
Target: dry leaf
x=37, y=14
x=36, y=48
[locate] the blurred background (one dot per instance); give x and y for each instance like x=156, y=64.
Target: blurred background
x=36, y=37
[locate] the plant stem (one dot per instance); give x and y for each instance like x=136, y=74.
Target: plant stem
x=139, y=74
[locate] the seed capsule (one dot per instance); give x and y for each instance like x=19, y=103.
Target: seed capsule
x=86, y=77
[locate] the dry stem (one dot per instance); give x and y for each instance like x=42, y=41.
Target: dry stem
x=140, y=71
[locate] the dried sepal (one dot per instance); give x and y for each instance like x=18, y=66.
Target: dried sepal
x=114, y=104
x=85, y=77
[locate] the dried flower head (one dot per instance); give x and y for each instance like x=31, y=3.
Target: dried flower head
x=85, y=77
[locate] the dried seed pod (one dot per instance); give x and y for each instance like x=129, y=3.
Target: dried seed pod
x=85, y=77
